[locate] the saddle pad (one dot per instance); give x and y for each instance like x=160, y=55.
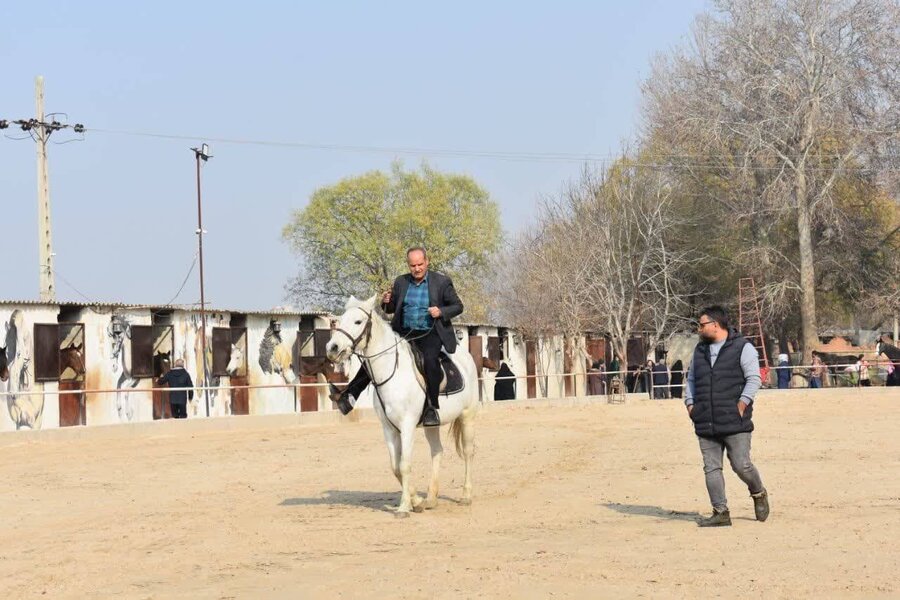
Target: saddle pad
x=452, y=380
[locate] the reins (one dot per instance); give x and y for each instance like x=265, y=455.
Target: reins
x=366, y=359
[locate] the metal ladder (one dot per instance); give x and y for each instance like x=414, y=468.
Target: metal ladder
x=750, y=323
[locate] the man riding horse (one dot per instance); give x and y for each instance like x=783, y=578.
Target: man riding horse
x=423, y=302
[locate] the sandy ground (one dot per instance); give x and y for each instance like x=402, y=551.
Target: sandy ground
x=569, y=502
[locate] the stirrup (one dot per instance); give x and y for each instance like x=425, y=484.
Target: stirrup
x=427, y=422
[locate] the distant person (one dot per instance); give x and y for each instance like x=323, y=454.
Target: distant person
x=647, y=378
x=661, y=381
x=817, y=373
x=595, y=379
x=784, y=372
x=613, y=370
x=862, y=366
x=721, y=386
x=677, y=378
x=505, y=386
x=177, y=377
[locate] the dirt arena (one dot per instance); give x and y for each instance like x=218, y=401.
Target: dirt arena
x=570, y=501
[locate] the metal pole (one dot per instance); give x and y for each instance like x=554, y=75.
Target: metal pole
x=202, y=293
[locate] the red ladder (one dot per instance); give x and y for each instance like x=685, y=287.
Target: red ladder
x=749, y=322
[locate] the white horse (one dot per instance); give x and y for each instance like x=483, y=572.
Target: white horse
x=399, y=398
x=235, y=360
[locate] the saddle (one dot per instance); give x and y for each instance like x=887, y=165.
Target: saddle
x=451, y=379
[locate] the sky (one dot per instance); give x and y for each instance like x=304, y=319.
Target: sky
x=480, y=77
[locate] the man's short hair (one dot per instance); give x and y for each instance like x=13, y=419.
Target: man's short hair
x=417, y=249
x=716, y=313
x=179, y=362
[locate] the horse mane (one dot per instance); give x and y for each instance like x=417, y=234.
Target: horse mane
x=888, y=349
x=267, y=350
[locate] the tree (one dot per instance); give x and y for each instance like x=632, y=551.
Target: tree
x=783, y=99
x=352, y=236
x=604, y=257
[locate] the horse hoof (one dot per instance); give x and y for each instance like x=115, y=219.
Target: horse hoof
x=466, y=502
x=420, y=507
x=401, y=514
x=429, y=504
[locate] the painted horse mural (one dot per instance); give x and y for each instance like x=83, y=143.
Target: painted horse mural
x=274, y=356
x=118, y=330
x=25, y=410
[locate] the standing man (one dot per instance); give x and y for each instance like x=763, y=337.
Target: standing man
x=721, y=385
x=177, y=377
x=817, y=373
x=661, y=381
x=423, y=302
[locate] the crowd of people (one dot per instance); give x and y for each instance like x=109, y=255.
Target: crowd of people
x=661, y=381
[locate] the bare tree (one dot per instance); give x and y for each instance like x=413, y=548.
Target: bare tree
x=783, y=97
x=602, y=257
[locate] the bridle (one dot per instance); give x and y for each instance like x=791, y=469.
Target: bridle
x=366, y=359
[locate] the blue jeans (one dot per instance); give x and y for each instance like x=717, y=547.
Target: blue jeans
x=815, y=382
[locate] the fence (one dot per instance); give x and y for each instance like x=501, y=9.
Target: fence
x=840, y=375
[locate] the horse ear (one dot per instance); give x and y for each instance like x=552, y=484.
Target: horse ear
x=370, y=303
x=351, y=302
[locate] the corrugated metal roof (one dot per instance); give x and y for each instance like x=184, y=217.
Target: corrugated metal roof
x=157, y=307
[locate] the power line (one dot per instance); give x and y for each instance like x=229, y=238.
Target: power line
x=489, y=154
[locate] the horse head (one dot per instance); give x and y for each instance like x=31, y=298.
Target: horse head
x=353, y=331
x=4, y=365
x=235, y=361
x=72, y=357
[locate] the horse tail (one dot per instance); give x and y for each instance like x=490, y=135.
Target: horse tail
x=456, y=432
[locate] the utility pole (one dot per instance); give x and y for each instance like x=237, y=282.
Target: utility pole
x=45, y=236
x=40, y=130
x=202, y=153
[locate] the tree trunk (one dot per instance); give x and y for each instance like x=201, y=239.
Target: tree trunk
x=809, y=332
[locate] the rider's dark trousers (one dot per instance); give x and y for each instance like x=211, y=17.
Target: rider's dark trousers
x=429, y=344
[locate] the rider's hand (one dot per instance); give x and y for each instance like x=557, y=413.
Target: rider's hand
x=386, y=298
x=435, y=312
x=742, y=406
x=690, y=408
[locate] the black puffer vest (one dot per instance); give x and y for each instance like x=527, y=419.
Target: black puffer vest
x=717, y=390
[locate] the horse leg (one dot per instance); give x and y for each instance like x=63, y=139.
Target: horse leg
x=433, y=435
x=468, y=439
x=406, y=442
x=393, y=441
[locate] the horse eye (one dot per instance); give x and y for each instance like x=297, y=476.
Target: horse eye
x=358, y=323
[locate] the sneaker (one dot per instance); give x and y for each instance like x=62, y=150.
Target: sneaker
x=761, y=505
x=430, y=417
x=717, y=519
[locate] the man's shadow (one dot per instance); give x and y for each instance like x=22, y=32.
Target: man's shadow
x=656, y=512
x=377, y=501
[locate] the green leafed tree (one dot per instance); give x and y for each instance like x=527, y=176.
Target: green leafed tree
x=352, y=236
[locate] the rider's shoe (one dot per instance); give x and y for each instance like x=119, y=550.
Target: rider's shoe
x=344, y=399
x=430, y=417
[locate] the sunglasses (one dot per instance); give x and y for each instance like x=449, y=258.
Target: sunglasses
x=702, y=324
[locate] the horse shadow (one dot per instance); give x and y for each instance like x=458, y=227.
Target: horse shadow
x=378, y=501
x=656, y=512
